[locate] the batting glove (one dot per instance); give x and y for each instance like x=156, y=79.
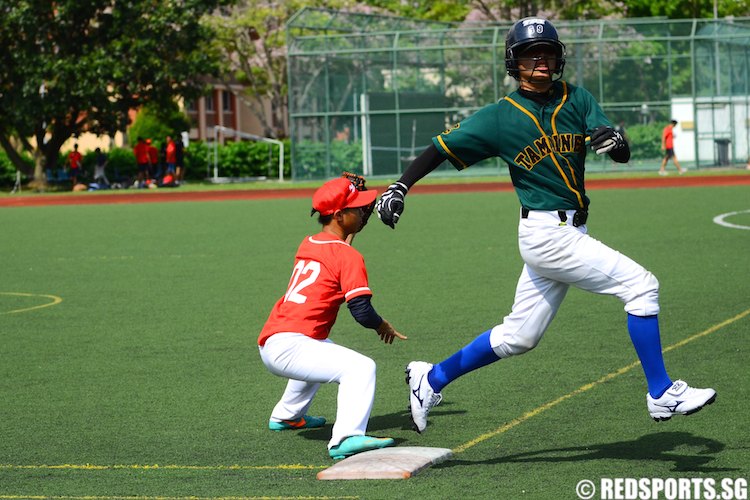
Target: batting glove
x=391, y=204
x=605, y=139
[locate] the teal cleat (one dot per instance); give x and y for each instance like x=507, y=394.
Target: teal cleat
x=305, y=422
x=357, y=444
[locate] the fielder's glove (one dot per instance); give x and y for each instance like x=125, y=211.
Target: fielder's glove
x=391, y=204
x=359, y=184
x=606, y=139
x=357, y=180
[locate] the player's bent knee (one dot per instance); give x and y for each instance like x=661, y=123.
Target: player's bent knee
x=646, y=303
x=506, y=344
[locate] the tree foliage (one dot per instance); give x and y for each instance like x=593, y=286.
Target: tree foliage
x=686, y=9
x=251, y=39
x=157, y=123
x=72, y=66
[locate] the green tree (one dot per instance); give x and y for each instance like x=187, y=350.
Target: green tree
x=71, y=66
x=158, y=122
x=445, y=10
x=251, y=37
x=686, y=9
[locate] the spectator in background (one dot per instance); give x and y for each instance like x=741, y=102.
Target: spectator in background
x=667, y=145
x=153, y=158
x=170, y=155
x=179, y=158
x=100, y=177
x=142, y=160
x=74, y=164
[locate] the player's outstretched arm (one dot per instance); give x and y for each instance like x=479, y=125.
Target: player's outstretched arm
x=391, y=203
x=388, y=333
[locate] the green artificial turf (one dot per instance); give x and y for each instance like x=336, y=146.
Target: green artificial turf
x=145, y=381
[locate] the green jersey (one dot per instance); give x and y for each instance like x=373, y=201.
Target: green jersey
x=544, y=145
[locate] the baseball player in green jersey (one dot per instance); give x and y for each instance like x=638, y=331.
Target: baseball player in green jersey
x=542, y=131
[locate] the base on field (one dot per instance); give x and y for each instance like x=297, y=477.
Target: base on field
x=386, y=463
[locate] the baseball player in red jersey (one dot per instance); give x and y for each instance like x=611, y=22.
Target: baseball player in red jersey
x=540, y=131
x=294, y=342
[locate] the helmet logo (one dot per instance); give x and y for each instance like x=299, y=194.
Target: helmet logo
x=535, y=20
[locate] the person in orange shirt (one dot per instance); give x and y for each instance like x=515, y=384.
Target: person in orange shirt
x=294, y=342
x=140, y=150
x=170, y=155
x=667, y=145
x=74, y=163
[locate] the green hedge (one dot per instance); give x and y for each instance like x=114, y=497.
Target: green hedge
x=313, y=159
x=8, y=170
x=236, y=159
x=645, y=141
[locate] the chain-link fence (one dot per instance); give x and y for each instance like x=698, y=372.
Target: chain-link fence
x=367, y=93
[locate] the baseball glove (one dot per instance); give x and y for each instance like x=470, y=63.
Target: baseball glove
x=357, y=180
x=359, y=183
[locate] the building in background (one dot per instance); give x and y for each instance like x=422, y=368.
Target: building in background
x=224, y=106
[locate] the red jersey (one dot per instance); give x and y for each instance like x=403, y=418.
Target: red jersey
x=171, y=152
x=141, y=153
x=668, y=137
x=74, y=159
x=327, y=272
x=153, y=155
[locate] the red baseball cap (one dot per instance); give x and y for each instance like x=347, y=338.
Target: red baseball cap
x=338, y=194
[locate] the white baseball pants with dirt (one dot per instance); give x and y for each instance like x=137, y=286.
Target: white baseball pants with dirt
x=307, y=363
x=557, y=255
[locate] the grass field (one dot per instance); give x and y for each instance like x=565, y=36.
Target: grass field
x=129, y=366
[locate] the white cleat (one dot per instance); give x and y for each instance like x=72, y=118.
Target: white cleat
x=680, y=399
x=421, y=396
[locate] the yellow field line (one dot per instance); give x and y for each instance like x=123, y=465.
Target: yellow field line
x=57, y=497
x=157, y=466
x=460, y=449
x=55, y=300
x=536, y=411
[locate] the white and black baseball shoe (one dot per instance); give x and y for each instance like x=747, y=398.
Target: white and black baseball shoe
x=679, y=399
x=421, y=396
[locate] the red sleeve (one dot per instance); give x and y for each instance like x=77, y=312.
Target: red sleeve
x=353, y=274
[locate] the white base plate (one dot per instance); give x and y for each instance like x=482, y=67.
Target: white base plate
x=386, y=463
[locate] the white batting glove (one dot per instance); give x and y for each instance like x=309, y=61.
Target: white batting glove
x=391, y=204
x=605, y=139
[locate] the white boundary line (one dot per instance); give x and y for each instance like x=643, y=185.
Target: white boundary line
x=719, y=219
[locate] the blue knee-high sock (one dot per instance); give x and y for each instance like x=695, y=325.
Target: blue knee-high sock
x=644, y=333
x=476, y=354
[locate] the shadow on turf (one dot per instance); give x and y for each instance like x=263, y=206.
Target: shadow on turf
x=379, y=423
x=688, y=452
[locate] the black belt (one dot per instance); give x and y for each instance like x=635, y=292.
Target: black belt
x=579, y=218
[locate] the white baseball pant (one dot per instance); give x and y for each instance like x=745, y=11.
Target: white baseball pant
x=556, y=256
x=307, y=363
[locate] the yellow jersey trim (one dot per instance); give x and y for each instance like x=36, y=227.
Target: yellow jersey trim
x=450, y=153
x=544, y=134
